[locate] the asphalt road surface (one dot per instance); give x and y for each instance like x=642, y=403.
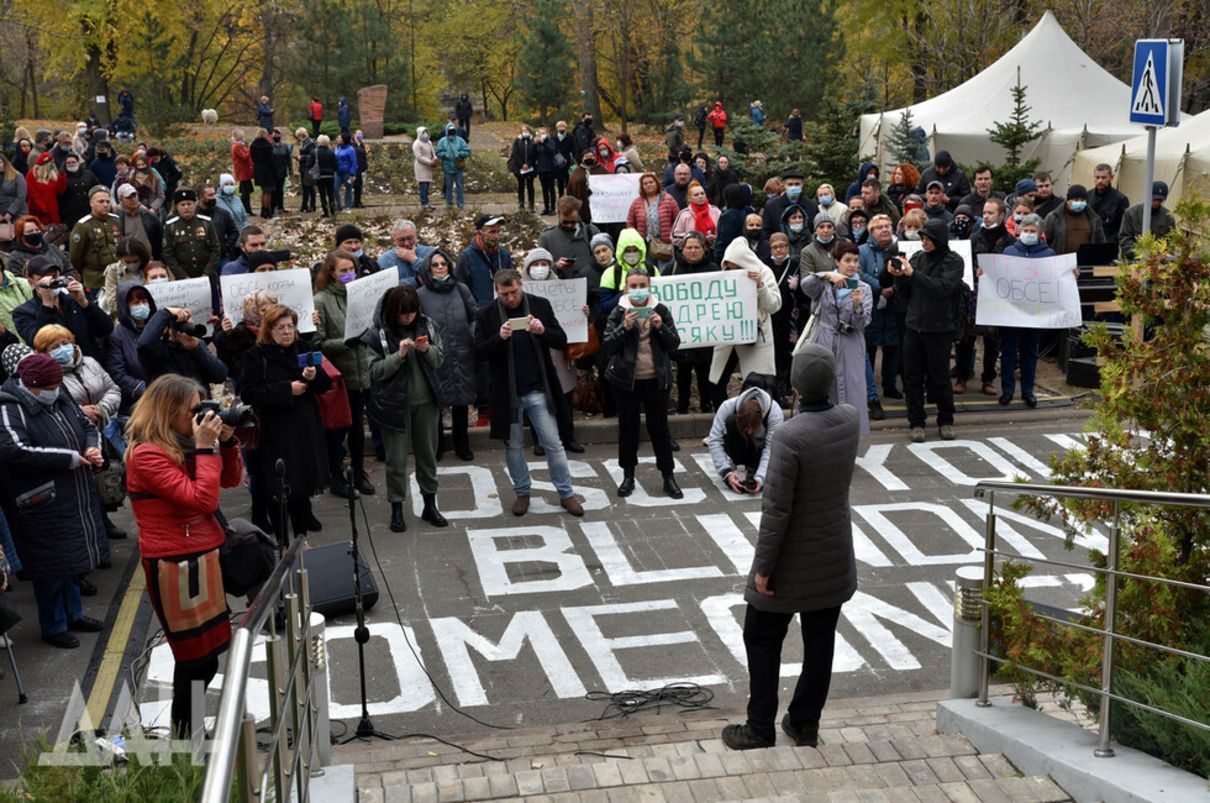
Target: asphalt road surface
x=516, y=619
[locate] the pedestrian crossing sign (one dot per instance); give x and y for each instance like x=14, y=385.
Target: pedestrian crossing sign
x=1155, y=89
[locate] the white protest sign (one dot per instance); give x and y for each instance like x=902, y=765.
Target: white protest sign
x=567, y=297
x=292, y=288
x=1028, y=293
x=190, y=294
x=611, y=196
x=960, y=247
x=363, y=297
x=710, y=309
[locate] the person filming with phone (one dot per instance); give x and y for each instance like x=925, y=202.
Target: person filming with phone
x=280, y=379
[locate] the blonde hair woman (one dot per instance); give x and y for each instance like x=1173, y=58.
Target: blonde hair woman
x=43, y=186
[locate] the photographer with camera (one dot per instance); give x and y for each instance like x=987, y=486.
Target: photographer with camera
x=179, y=459
x=280, y=378
x=741, y=434
x=61, y=300
x=171, y=343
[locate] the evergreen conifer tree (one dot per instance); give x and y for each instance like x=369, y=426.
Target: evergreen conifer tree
x=547, y=63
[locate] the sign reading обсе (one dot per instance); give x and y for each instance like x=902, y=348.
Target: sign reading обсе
x=1028, y=293
x=567, y=297
x=362, y=297
x=612, y=196
x=710, y=309
x=191, y=294
x=291, y=287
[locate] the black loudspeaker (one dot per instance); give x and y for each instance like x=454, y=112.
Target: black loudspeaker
x=330, y=580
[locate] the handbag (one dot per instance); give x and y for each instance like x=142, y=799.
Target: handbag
x=808, y=331
x=660, y=250
x=578, y=351
x=247, y=557
x=584, y=395
x=8, y=232
x=334, y=406
x=111, y=478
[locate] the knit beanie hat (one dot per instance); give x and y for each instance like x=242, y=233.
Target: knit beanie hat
x=39, y=371
x=13, y=355
x=601, y=239
x=813, y=372
x=347, y=232
x=537, y=255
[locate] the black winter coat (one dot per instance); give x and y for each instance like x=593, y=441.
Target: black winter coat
x=499, y=354
x=263, y=173
x=525, y=152
x=73, y=203
x=53, y=508
x=325, y=157
x=90, y=325
x=453, y=309
x=622, y=346
x=160, y=356
x=704, y=354
x=290, y=426
x=281, y=161
x=930, y=289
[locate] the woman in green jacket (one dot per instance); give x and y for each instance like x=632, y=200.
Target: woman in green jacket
x=338, y=269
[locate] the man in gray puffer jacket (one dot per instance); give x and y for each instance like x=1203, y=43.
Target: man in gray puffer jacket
x=804, y=560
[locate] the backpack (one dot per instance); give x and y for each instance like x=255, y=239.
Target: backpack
x=961, y=311
x=699, y=119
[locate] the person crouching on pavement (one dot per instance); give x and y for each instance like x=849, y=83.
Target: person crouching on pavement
x=804, y=560
x=740, y=438
x=640, y=339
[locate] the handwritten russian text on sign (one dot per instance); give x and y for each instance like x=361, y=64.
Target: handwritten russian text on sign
x=568, y=298
x=612, y=196
x=292, y=288
x=1028, y=293
x=190, y=294
x=710, y=309
x=960, y=247
x=363, y=296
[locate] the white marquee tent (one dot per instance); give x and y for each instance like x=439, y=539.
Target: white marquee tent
x=1082, y=105
x=1182, y=159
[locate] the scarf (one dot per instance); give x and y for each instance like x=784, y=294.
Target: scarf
x=702, y=220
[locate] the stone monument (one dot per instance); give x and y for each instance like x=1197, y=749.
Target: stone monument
x=371, y=109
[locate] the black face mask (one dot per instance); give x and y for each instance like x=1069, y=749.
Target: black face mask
x=752, y=234
x=33, y=238
x=962, y=227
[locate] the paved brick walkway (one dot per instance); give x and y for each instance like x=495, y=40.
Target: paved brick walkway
x=871, y=749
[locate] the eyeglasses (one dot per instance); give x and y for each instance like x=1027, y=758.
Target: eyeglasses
x=283, y=327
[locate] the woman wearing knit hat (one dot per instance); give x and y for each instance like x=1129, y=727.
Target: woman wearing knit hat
x=48, y=451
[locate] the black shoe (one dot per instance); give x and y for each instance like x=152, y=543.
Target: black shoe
x=626, y=486
x=397, y=525
x=1005, y=399
x=875, y=410
x=431, y=514
x=86, y=624
x=1030, y=399
x=364, y=486
x=806, y=736
x=465, y=454
x=87, y=589
x=114, y=532
x=672, y=488
x=64, y=641
x=676, y=446
x=891, y=393
x=574, y=446
x=105, y=564
x=338, y=487
x=742, y=737
x=539, y=451
x=312, y=524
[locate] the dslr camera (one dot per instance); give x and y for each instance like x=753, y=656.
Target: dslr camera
x=311, y=359
x=56, y=284
x=189, y=328
x=239, y=416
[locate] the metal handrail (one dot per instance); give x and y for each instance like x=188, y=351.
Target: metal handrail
x=987, y=490
x=234, y=736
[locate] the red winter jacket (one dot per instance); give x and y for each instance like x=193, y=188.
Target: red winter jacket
x=717, y=117
x=241, y=161
x=177, y=515
x=667, y=210
x=43, y=199
x=316, y=111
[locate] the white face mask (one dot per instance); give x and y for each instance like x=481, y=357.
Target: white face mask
x=539, y=272
x=1029, y=238
x=911, y=234
x=631, y=258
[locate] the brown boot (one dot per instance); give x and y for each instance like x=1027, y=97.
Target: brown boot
x=990, y=390
x=521, y=506
x=959, y=387
x=572, y=505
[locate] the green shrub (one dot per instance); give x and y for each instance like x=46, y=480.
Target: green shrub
x=170, y=782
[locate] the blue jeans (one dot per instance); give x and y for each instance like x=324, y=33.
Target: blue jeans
x=424, y=193
x=546, y=429
x=871, y=389
x=452, y=181
x=1016, y=342
x=343, y=180
x=58, y=604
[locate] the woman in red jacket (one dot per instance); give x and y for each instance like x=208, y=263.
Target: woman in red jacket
x=175, y=466
x=43, y=186
x=241, y=168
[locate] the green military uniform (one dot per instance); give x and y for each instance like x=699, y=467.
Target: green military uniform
x=94, y=244
x=191, y=247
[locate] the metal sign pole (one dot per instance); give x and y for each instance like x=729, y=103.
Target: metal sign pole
x=1149, y=180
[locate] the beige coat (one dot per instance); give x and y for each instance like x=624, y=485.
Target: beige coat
x=757, y=356
x=425, y=157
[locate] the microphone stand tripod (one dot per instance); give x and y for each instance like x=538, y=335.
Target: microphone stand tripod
x=361, y=634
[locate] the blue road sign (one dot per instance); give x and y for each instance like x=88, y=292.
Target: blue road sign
x=1149, y=87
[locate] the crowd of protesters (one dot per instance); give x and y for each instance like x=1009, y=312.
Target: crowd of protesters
x=87, y=233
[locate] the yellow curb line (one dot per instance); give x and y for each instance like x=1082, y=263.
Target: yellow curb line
x=115, y=647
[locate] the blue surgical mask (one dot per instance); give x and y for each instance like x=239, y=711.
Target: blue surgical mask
x=823, y=241
x=358, y=253
x=1029, y=238
x=64, y=354
x=639, y=295
x=47, y=397
x=140, y=312
x=793, y=192
x=159, y=280
x=1079, y=206
x=345, y=278
x=228, y=189
x=825, y=200
x=858, y=231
